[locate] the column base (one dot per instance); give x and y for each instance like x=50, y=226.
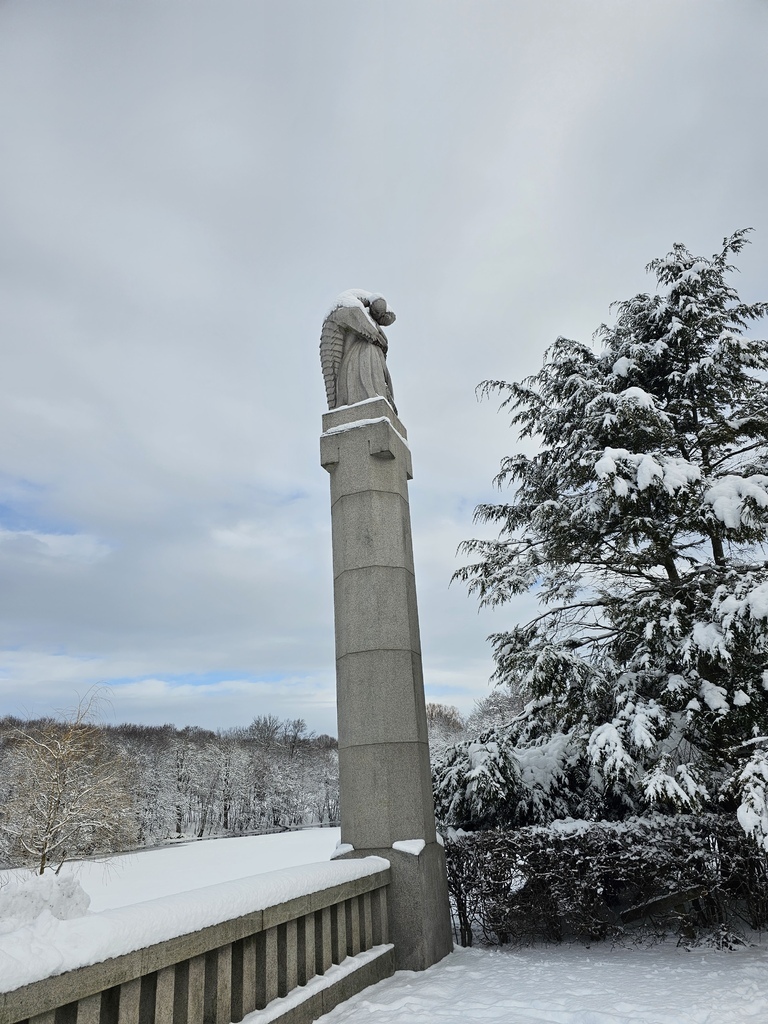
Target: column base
x=417, y=899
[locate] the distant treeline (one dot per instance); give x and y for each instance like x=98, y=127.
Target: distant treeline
x=153, y=783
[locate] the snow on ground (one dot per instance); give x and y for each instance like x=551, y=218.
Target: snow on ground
x=571, y=985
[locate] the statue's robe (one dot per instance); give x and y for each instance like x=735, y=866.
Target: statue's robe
x=362, y=372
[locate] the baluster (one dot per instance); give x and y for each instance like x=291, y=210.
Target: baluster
x=323, y=943
x=287, y=943
x=89, y=1010
x=218, y=986
x=237, y=981
x=379, y=919
x=43, y=1018
x=266, y=967
x=306, y=948
x=353, y=926
x=366, y=927
x=130, y=1001
x=249, y=975
x=196, y=990
x=164, y=993
x=339, y=933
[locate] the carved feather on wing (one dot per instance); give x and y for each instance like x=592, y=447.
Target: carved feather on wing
x=331, y=351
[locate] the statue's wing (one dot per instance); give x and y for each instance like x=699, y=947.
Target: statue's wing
x=331, y=351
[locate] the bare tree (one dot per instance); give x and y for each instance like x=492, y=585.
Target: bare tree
x=67, y=791
x=445, y=726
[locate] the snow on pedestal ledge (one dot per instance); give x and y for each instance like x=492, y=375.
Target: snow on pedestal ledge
x=341, y=849
x=342, y=427
x=412, y=846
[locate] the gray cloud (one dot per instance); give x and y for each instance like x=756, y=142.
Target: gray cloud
x=187, y=186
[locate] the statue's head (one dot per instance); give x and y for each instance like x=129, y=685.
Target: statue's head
x=379, y=312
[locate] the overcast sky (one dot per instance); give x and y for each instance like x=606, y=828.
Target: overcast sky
x=184, y=189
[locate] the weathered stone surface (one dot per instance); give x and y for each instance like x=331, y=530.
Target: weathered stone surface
x=223, y=966
x=380, y=719
x=386, y=617
x=386, y=794
x=375, y=543
x=385, y=779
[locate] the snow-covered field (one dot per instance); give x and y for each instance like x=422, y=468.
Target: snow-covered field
x=136, y=877
x=545, y=985
x=46, y=927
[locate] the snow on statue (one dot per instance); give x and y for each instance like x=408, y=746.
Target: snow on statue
x=353, y=349
x=641, y=523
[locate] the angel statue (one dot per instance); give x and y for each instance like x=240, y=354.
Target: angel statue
x=353, y=349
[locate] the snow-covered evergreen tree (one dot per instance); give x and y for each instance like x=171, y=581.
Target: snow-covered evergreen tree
x=640, y=524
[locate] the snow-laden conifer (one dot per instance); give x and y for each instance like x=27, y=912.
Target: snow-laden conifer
x=640, y=524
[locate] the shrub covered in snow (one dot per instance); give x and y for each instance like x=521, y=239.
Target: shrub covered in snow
x=641, y=525
x=697, y=877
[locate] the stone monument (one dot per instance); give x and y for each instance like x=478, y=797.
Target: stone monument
x=385, y=780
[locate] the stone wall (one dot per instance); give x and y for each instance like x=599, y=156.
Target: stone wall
x=291, y=961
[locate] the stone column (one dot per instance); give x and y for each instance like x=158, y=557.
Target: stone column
x=385, y=780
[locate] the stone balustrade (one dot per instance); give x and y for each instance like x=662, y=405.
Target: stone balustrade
x=279, y=960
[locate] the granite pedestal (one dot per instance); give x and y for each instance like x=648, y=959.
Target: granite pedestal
x=385, y=780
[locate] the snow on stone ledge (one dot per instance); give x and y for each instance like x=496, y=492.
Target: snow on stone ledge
x=319, y=983
x=413, y=846
x=363, y=401
x=341, y=849
x=343, y=427
x=48, y=946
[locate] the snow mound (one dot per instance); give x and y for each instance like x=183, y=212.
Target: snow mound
x=25, y=898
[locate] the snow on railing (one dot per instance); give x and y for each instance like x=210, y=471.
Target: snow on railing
x=294, y=957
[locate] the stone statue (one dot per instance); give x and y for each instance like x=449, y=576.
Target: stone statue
x=353, y=349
